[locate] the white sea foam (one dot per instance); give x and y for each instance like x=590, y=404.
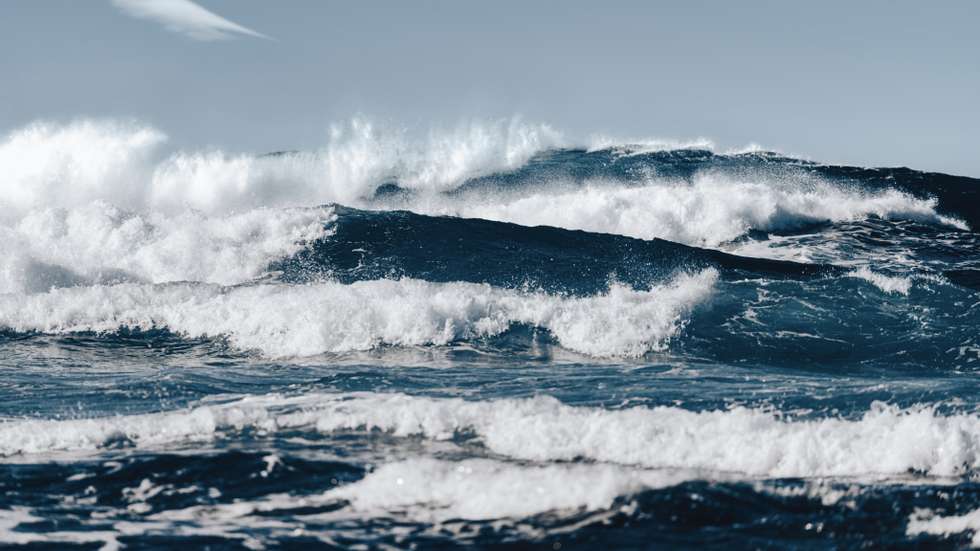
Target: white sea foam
x=419, y=490
x=888, y=284
x=101, y=201
x=57, y=247
x=68, y=165
x=752, y=148
x=359, y=157
x=885, y=441
x=431, y=490
x=49, y=165
x=202, y=423
x=827, y=491
x=640, y=146
x=627, y=451
x=13, y=517
x=927, y=522
x=710, y=210
x=299, y=320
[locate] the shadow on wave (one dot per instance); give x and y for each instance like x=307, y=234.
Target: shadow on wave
x=370, y=245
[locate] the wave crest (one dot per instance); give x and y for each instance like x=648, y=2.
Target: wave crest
x=885, y=441
x=98, y=243
x=708, y=211
x=67, y=165
x=46, y=164
x=303, y=320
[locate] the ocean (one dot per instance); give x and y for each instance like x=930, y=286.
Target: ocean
x=485, y=337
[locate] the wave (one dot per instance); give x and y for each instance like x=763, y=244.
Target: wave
x=46, y=164
x=503, y=170
x=302, y=320
x=888, y=284
x=470, y=490
x=884, y=441
x=392, y=244
x=927, y=522
x=431, y=491
x=463, y=501
x=68, y=165
x=640, y=146
x=419, y=490
x=709, y=211
x=283, y=283
x=958, y=195
x=101, y=243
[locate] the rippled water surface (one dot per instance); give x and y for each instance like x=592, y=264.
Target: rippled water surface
x=566, y=348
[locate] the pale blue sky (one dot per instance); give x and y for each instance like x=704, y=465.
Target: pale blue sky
x=874, y=82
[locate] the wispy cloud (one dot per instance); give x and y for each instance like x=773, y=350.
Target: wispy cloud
x=186, y=17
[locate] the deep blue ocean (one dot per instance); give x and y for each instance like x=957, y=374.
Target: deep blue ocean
x=488, y=340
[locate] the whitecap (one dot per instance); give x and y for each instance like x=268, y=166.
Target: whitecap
x=281, y=320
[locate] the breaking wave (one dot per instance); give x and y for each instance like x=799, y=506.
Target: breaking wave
x=301, y=320
x=709, y=211
x=100, y=243
x=686, y=195
x=884, y=441
x=68, y=165
x=485, y=333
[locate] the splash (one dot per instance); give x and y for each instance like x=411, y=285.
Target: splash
x=303, y=320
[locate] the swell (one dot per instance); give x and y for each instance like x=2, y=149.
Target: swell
x=365, y=245
x=958, y=195
x=102, y=244
x=329, y=317
x=377, y=279
x=708, y=196
x=744, y=442
x=48, y=164
x=163, y=503
x=955, y=195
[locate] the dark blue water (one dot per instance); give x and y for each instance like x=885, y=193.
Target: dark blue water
x=610, y=348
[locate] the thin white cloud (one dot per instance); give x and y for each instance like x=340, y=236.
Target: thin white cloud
x=185, y=17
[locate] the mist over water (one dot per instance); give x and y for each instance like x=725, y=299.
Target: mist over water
x=484, y=334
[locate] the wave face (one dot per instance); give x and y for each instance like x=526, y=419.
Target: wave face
x=486, y=334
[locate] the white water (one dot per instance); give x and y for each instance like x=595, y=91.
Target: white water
x=68, y=165
x=47, y=165
x=747, y=442
x=102, y=201
x=888, y=284
x=301, y=320
x=96, y=218
x=707, y=212
x=639, y=146
x=97, y=242
x=884, y=441
x=927, y=522
x=431, y=490
x=417, y=489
